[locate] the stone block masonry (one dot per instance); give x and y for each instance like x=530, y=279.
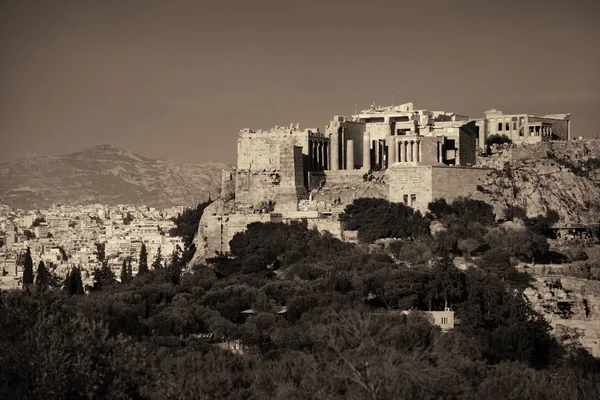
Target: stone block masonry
x=417, y=186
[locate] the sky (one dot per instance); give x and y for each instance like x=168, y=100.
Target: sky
x=177, y=80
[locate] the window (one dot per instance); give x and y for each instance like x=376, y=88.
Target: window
x=514, y=125
x=406, y=199
x=499, y=126
x=507, y=126
x=413, y=199
x=444, y=320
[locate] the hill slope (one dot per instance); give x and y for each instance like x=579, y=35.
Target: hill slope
x=109, y=175
x=561, y=176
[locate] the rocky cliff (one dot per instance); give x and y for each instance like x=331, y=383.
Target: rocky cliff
x=561, y=176
x=109, y=175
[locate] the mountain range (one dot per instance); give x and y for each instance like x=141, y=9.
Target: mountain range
x=108, y=175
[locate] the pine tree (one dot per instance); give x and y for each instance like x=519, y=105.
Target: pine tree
x=42, y=277
x=27, y=269
x=143, y=264
x=129, y=270
x=174, y=267
x=125, y=277
x=157, y=264
x=74, y=284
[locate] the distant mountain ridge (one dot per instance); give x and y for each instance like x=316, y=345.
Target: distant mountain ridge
x=109, y=175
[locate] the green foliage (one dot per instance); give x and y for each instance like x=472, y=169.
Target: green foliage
x=37, y=221
x=100, y=252
x=496, y=139
x=126, y=274
x=322, y=319
x=43, y=277
x=377, y=218
x=73, y=283
x=103, y=277
x=186, y=227
x=158, y=260
x=143, y=260
x=27, y=269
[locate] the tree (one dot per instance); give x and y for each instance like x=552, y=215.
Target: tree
x=63, y=254
x=128, y=218
x=27, y=269
x=377, y=218
x=143, y=264
x=125, y=271
x=175, y=265
x=37, y=221
x=187, y=227
x=73, y=283
x=496, y=139
x=43, y=277
x=100, y=251
x=157, y=264
x=103, y=277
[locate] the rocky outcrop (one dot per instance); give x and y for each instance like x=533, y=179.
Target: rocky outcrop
x=559, y=176
x=218, y=207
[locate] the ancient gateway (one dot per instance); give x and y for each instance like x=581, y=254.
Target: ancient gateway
x=411, y=156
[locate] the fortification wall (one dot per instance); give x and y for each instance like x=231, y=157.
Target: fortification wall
x=270, y=168
x=418, y=185
x=220, y=229
x=411, y=185
x=228, y=184
x=259, y=152
x=452, y=182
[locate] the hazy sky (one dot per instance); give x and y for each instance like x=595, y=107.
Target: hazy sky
x=178, y=79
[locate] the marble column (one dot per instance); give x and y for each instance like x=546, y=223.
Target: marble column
x=376, y=160
x=366, y=159
x=310, y=155
x=334, y=149
x=350, y=154
x=391, y=144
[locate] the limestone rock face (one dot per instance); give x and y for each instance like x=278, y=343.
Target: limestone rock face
x=560, y=176
x=217, y=208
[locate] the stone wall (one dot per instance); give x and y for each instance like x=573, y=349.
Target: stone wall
x=467, y=144
x=355, y=131
x=411, y=185
x=419, y=185
x=228, y=184
x=452, y=182
x=270, y=168
x=378, y=130
x=220, y=229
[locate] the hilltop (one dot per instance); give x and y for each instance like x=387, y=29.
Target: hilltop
x=109, y=175
x=559, y=176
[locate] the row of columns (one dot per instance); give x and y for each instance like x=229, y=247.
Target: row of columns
x=410, y=151
x=342, y=152
x=544, y=130
x=318, y=154
x=397, y=151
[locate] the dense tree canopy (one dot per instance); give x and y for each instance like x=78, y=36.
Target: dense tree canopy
x=317, y=318
x=377, y=218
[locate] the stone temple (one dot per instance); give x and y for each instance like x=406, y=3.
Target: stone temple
x=399, y=153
